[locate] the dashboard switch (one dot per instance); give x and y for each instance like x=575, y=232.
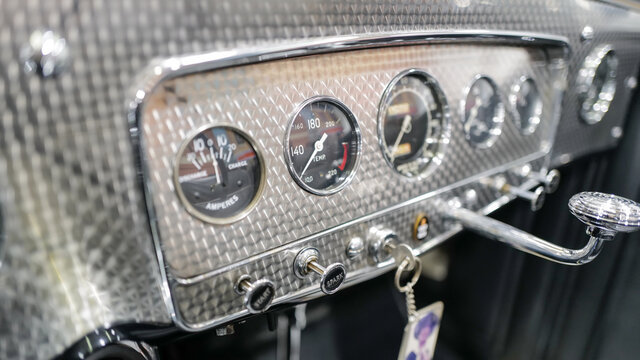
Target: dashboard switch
x=550, y=179
x=536, y=196
x=355, y=247
x=258, y=295
x=331, y=277
x=381, y=240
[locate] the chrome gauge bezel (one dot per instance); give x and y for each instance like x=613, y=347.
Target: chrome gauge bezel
x=445, y=135
x=183, y=199
x=356, y=130
x=584, y=82
x=532, y=126
x=498, y=120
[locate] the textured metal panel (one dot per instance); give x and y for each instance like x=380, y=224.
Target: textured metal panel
x=260, y=100
x=213, y=301
x=65, y=163
x=575, y=137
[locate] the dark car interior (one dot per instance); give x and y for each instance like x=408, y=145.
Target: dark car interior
x=412, y=180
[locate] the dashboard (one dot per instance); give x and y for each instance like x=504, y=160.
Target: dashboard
x=175, y=166
x=256, y=162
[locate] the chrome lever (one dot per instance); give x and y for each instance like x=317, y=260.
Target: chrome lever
x=604, y=215
x=535, y=197
x=550, y=179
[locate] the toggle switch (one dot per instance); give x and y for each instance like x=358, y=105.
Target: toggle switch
x=258, y=295
x=535, y=197
x=550, y=179
x=331, y=277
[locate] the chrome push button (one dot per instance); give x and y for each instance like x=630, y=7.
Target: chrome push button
x=258, y=295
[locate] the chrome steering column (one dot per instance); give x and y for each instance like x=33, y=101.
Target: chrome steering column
x=604, y=214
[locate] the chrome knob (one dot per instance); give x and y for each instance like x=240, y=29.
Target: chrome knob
x=258, y=295
x=384, y=244
x=331, y=277
x=604, y=215
x=550, y=180
x=608, y=213
x=535, y=197
x=380, y=240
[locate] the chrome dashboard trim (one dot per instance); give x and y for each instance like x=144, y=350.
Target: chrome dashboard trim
x=163, y=69
x=360, y=275
x=505, y=199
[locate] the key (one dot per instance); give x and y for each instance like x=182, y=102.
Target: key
x=421, y=331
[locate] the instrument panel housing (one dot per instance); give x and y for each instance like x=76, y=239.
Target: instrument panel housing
x=259, y=91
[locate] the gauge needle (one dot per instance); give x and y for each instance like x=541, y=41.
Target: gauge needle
x=473, y=115
x=215, y=166
x=317, y=147
x=404, y=129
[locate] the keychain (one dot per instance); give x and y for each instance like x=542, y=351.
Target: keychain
x=421, y=331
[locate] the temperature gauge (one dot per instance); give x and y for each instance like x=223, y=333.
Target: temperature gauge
x=322, y=145
x=219, y=174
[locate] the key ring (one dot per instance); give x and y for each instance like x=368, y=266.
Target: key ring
x=404, y=266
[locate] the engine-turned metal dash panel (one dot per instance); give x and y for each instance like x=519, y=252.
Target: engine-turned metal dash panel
x=260, y=98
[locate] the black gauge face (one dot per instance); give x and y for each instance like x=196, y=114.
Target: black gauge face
x=322, y=146
x=527, y=105
x=413, y=123
x=483, y=113
x=218, y=174
x=599, y=77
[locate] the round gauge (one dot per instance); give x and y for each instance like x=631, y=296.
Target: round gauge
x=322, y=145
x=483, y=113
x=526, y=102
x=413, y=123
x=219, y=174
x=596, y=83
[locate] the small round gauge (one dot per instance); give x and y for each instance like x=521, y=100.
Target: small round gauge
x=413, y=123
x=483, y=113
x=219, y=174
x=322, y=145
x=526, y=102
x=596, y=83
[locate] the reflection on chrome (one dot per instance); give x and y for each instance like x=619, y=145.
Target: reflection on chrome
x=604, y=215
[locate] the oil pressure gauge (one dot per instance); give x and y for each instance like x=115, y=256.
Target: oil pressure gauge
x=526, y=104
x=482, y=113
x=219, y=174
x=322, y=145
x=413, y=123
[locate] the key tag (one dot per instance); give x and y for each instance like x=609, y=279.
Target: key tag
x=421, y=331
